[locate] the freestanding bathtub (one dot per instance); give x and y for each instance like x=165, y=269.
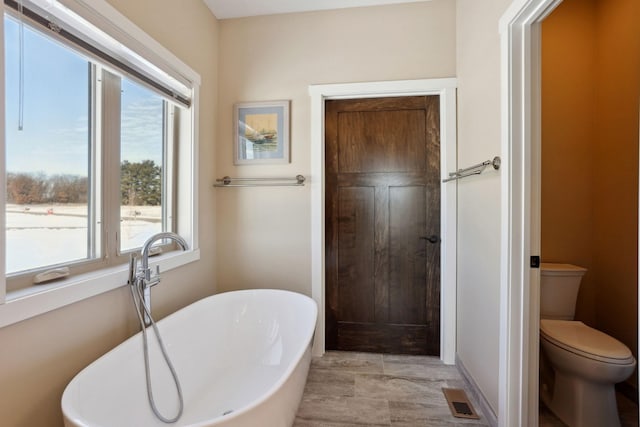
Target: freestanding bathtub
x=242, y=358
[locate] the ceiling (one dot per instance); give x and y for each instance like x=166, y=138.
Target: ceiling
x=225, y=9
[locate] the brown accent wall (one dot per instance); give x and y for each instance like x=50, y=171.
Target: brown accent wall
x=568, y=137
x=590, y=97
x=615, y=183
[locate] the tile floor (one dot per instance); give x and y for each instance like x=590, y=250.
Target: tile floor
x=347, y=389
x=627, y=409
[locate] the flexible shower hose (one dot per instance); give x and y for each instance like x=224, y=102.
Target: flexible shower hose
x=141, y=309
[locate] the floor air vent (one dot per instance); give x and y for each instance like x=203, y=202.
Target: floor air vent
x=459, y=403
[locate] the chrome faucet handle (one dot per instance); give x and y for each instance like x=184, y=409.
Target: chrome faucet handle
x=154, y=279
x=132, y=269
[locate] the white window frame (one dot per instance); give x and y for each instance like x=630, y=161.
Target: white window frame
x=22, y=304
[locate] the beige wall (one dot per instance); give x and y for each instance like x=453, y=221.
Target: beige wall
x=479, y=219
x=39, y=356
x=264, y=233
x=591, y=91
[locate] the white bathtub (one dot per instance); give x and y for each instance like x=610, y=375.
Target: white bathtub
x=247, y=352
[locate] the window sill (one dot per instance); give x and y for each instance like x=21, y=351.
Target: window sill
x=39, y=299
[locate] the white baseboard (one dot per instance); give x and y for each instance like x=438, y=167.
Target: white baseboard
x=477, y=395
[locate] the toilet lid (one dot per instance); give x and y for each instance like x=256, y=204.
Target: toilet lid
x=562, y=268
x=581, y=339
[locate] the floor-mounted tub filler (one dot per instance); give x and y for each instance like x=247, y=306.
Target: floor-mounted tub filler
x=242, y=358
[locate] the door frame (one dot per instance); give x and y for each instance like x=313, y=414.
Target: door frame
x=446, y=89
x=520, y=39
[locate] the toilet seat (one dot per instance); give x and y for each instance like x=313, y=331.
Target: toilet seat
x=580, y=339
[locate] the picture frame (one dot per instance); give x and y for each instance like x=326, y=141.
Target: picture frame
x=261, y=132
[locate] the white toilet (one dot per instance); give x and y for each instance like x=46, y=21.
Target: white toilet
x=585, y=363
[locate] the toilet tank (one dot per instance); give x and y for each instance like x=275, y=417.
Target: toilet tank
x=559, y=286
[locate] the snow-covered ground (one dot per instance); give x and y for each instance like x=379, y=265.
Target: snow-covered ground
x=36, y=238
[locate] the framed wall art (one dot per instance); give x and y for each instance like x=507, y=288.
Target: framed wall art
x=261, y=132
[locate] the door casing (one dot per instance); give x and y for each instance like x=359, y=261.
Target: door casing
x=446, y=89
x=521, y=143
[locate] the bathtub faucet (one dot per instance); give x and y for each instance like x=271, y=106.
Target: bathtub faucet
x=142, y=278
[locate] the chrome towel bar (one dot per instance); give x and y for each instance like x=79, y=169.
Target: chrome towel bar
x=227, y=181
x=473, y=170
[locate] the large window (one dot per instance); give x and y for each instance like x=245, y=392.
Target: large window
x=142, y=162
x=48, y=145
x=92, y=136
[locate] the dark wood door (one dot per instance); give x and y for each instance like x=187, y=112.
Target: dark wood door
x=383, y=225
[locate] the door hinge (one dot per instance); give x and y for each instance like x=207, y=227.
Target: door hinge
x=535, y=261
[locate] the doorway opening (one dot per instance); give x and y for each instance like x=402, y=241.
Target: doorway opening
x=589, y=168
x=521, y=96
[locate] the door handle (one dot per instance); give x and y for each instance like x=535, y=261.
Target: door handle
x=432, y=239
